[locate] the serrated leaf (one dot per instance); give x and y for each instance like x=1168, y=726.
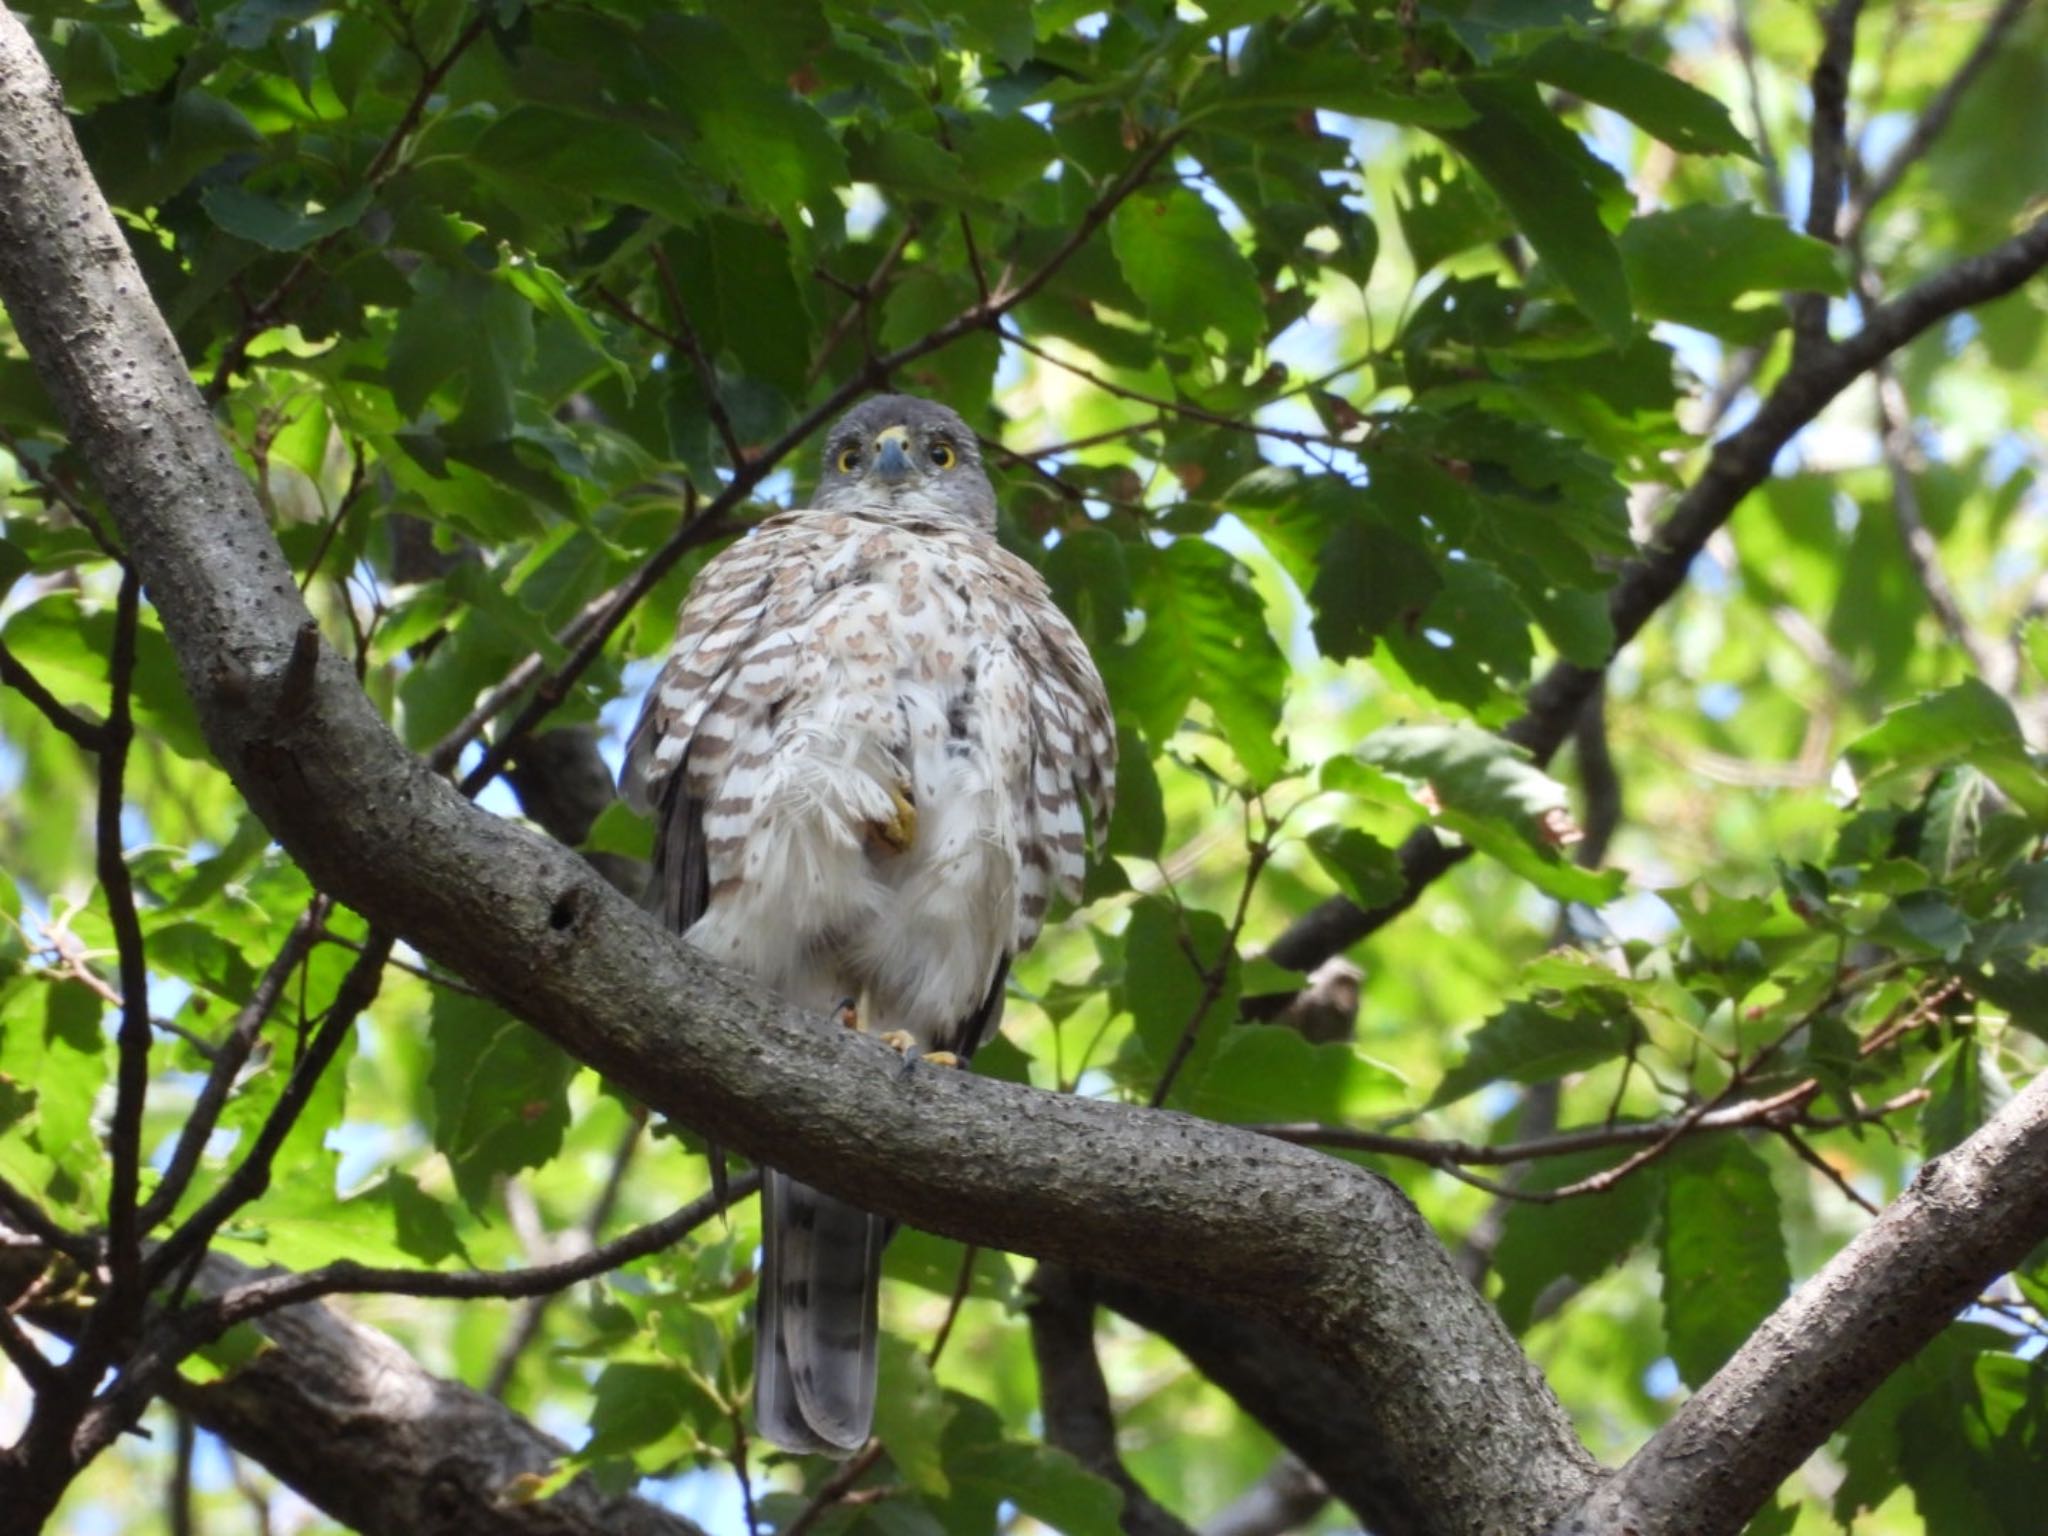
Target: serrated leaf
x=1205, y=637
x=1365, y=869
x=1723, y=1252
x=1268, y=1072
x=1682, y=115
x=636, y=1403
x=1527, y=1043
x=1693, y=266
x=277, y=225
x=1177, y=257
x=499, y=1093
x=1539, y=170
x=1965, y=1089
x=1495, y=799
x=1577, y=1239
x=1968, y=723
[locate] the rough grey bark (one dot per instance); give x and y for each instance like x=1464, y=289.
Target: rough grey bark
x=1292, y=1389
x=1295, y=1236
x=359, y=1428
x=1971, y=1214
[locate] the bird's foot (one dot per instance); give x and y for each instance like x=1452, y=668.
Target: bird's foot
x=900, y=830
x=941, y=1059
x=901, y=1041
x=848, y=1013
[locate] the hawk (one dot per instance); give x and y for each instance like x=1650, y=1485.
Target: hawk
x=875, y=753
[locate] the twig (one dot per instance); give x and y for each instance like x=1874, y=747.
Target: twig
x=74, y=725
x=229, y=1059
x=1830, y=142
x=36, y=1368
x=124, y=1248
x=1174, y=407
x=1822, y=1166
x=526, y=1325
x=1931, y=122
x=57, y=492
x=350, y=495
x=251, y=1175
x=381, y=166
x=707, y=377
x=1744, y=44
x=861, y=300
x=272, y=1292
x=1214, y=977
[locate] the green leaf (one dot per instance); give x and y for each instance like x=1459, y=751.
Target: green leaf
x=1169, y=957
x=1272, y=77
x=635, y=1403
x=1544, y=176
x=1189, y=272
x=1369, y=580
x=1968, y=723
x=1365, y=869
x=1723, y=1252
x=498, y=1090
x=1495, y=799
x=1576, y=1239
x=1693, y=266
x=462, y=327
x=545, y=160
x=1528, y=1043
x=1966, y=1088
x=276, y=225
x=1205, y=636
x=1682, y=115
x=1268, y=1072
x=911, y=1416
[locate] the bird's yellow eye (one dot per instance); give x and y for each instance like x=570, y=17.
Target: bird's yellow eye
x=942, y=455
x=849, y=460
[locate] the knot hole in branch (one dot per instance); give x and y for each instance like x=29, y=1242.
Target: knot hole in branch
x=569, y=909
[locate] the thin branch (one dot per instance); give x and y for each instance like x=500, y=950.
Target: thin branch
x=1779, y=1110
x=1829, y=160
x=1932, y=121
x=251, y=1176
x=693, y=348
x=1744, y=44
x=59, y=494
x=861, y=301
x=229, y=1059
x=37, y=1369
x=124, y=1243
x=382, y=165
x=257, y=1297
x=1216, y=419
x=15, y=675
x=525, y=1326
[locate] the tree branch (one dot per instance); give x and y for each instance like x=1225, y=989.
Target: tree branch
x=1738, y=464
x=1969, y=1216
x=1286, y=1232
x=1928, y=126
x=1073, y=1399
x=353, y=1422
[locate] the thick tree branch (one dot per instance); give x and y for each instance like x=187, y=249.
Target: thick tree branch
x=1073, y=1398
x=1292, y=1389
x=1311, y=1244
x=1970, y=1216
x=355, y=1424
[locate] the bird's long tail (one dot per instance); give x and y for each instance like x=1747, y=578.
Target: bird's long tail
x=814, y=1351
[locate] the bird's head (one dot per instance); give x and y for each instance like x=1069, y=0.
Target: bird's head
x=899, y=456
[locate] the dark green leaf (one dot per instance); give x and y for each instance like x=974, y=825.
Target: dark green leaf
x=1578, y=1239
x=1723, y=1252
x=1682, y=115
x=1526, y=1043
x=1192, y=277
x=499, y=1093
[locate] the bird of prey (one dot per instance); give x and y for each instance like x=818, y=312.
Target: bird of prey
x=876, y=752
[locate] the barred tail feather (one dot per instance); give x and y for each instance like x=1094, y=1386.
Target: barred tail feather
x=814, y=1352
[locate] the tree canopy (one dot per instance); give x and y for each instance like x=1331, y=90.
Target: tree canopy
x=1554, y=1039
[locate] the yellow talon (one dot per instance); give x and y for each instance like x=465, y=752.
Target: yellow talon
x=900, y=830
x=940, y=1059
x=899, y=1040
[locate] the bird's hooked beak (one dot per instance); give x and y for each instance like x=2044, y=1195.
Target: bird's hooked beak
x=892, y=453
